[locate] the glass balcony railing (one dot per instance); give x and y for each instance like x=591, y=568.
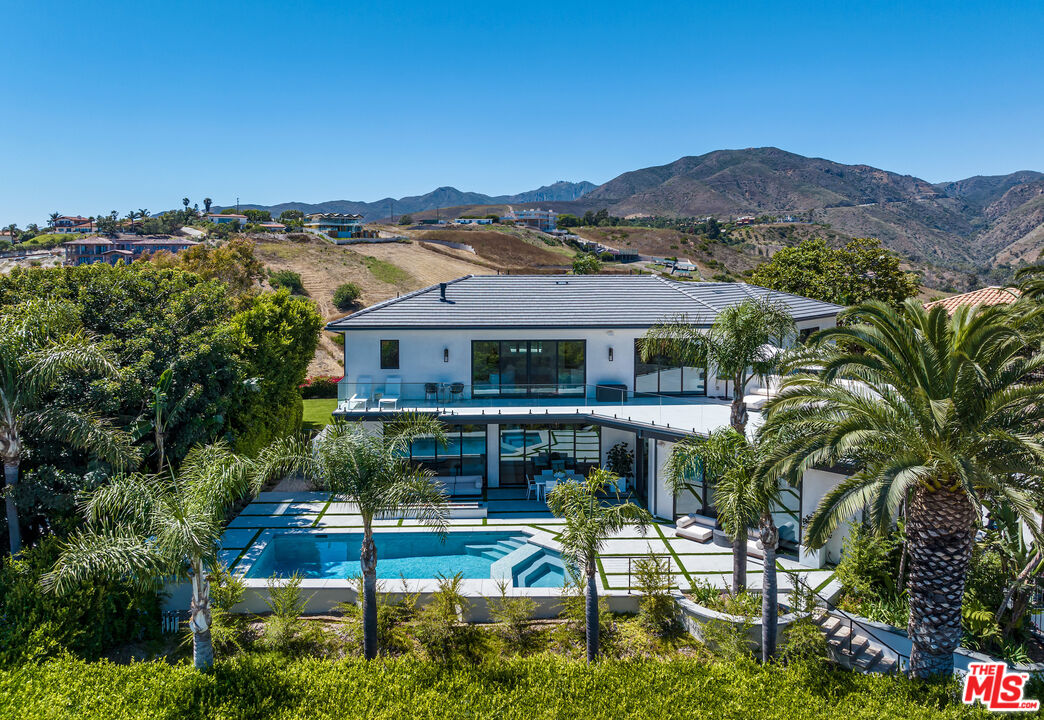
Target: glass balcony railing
x=690, y=412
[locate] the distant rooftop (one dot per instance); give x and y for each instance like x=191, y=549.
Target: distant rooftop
x=994, y=295
x=580, y=301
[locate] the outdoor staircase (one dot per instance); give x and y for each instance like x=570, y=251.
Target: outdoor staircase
x=853, y=648
x=494, y=551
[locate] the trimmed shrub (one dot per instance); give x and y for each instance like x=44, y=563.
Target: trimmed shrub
x=321, y=386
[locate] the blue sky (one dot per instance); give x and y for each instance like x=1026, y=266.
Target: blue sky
x=120, y=105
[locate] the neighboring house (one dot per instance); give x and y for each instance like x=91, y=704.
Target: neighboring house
x=273, y=226
x=473, y=221
x=336, y=225
x=218, y=218
x=543, y=220
x=73, y=224
x=543, y=372
x=88, y=250
x=994, y=295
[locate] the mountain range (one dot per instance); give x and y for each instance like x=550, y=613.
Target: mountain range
x=976, y=223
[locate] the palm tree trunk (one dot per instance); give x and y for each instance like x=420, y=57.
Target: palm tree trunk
x=769, y=590
x=939, y=539
x=739, y=563
x=199, y=621
x=14, y=530
x=368, y=560
x=592, y=612
x=738, y=412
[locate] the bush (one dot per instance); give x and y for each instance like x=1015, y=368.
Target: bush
x=439, y=628
x=269, y=686
x=586, y=264
x=656, y=609
x=227, y=630
x=284, y=628
x=287, y=279
x=347, y=296
x=514, y=614
x=321, y=386
x=90, y=621
x=574, y=612
x=869, y=564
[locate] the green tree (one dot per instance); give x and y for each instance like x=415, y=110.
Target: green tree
x=53, y=224
x=164, y=408
x=257, y=216
x=406, y=219
x=153, y=527
x=347, y=296
x=734, y=346
x=589, y=523
x=860, y=271
x=567, y=221
x=287, y=279
x=369, y=470
x=745, y=495
x=233, y=263
x=292, y=218
x=935, y=412
x=207, y=202
x=586, y=264
x=42, y=344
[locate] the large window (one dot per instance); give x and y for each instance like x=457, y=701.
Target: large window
x=463, y=454
x=661, y=376
x=528, y=367
x=389, y=354
x=529, y=449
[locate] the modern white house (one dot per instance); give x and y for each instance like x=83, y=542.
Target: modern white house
x=542, y=373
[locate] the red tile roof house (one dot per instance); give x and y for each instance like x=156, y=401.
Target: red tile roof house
x=73, y=224
x=123, y=247
x=983, y=296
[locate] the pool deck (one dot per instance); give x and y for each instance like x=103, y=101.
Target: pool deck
x=507, y=509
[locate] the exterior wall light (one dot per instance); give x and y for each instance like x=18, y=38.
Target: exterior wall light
x=610, y=354
x=445, y=354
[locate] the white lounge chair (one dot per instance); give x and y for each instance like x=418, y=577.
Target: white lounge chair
x=360, y=400
x=392, y=390
x=531, y=487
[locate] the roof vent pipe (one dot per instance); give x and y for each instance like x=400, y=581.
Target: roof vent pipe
x=442, y=291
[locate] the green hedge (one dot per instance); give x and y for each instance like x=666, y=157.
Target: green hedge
x=255, y=686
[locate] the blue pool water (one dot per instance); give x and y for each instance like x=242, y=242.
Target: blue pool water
x=410, y=555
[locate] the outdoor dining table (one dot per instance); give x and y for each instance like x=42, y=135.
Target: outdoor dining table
x=541, y=483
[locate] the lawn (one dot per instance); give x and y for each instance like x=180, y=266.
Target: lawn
x=317, y=412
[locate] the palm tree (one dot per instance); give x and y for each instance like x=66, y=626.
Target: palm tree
x=934, y=411
x=161, y=411
x=152, y=527
x=207, y=202
x=143, y=213
x=54, y=220
x=589, y=522
x=745, y=495
x=185, y=201
x=373, y=472
x=735, y=346
x=40, y=343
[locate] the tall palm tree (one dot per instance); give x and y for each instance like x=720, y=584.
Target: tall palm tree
x=207, y=202
x=589, y=523
x=745, y=495
x=152, y=527
x=934, y=411
x=143, y=213
x=185, y=201
x=734, y=346
x=54, y=220
x=373, y=472
x=40, y=343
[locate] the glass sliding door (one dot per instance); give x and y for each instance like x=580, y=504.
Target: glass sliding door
x=463, y=454
x=659, y=375
x=534, y=368
x=534, y=448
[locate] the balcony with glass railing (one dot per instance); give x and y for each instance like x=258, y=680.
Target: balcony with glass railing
x=682, y=413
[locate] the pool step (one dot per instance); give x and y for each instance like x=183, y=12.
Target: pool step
x=494, y=551
x=538, y=568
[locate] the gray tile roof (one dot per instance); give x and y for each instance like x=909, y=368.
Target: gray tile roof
x=580, y=301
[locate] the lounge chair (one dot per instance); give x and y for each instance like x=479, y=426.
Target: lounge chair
x=360, y=400
x=392, y=390
x=695, y=527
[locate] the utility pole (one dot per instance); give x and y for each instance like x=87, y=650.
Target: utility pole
x=237, y=205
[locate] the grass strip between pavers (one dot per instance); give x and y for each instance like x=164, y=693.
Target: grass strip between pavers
x=677, y=559
x=601, y=573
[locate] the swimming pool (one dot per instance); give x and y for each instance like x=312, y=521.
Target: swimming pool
x=475, y=554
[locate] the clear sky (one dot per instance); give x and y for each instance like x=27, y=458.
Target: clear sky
x=119, y=105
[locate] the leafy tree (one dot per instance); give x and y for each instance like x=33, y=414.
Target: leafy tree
x=733, y=346
x=161, y=412
x=368, y=469
x=586, y=264
x=935, y=412
x=107, y=225
x=567, y=221
x=589, y=523
x=153, y=527
x=347, y=296
x=860, y=271
x=278, y=334
x=41, y=345
x=233, y=263
x=287, y=279
x=257, y=216
x=406, y=219
x=744, y=496
x=292, y=218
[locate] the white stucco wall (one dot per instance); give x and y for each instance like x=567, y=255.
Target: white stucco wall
x=815, y=484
